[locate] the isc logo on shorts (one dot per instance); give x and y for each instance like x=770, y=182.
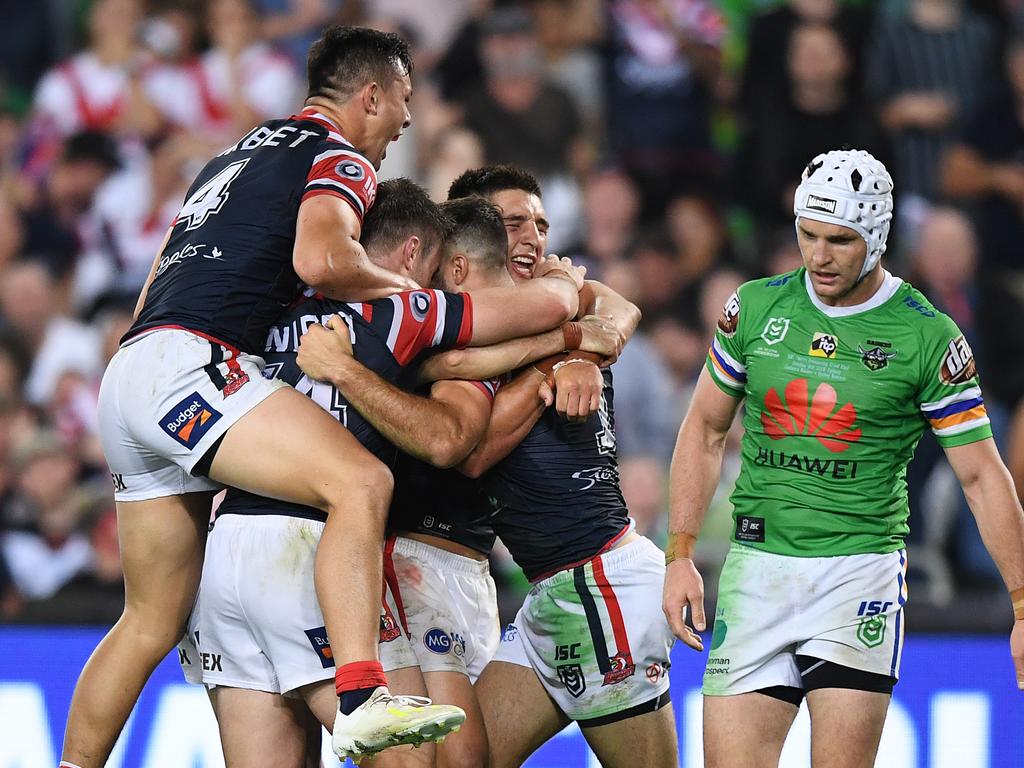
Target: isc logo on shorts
x=189, y=420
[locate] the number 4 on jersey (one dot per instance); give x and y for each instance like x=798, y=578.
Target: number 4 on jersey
x=209, y=198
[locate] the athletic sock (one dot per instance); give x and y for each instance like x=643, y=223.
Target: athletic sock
x=356, y=682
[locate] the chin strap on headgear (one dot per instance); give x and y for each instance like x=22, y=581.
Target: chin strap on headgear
x=851, y=188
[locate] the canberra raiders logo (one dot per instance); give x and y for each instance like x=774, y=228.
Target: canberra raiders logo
x=875, y=358
x=572, y=678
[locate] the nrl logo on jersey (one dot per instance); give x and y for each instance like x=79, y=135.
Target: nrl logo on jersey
x=729, y=320
x=775, y=330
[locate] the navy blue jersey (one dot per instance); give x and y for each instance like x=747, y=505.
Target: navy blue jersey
x=226, y=270
x=443, y=502
x=556, y=497
x=387, y=335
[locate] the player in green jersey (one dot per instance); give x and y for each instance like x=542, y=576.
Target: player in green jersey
x=843, y=367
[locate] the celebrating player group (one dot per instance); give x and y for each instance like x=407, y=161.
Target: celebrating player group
x=385, y=384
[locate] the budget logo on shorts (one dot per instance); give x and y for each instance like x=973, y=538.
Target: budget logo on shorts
x=572, y=678
x=189, y=420
x=321, y=645
x=436, y=640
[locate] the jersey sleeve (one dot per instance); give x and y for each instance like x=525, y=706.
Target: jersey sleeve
x=725, y=356
x=950, y=396
x=342, y=172
x=428, y=319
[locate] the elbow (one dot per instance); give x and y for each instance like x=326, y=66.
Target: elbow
x=311, y=270
x=473, y=467
x=564, y=308
x=446, y=451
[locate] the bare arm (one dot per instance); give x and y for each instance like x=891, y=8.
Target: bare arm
x=517, y=407
x=693, y=477
x=965, y=173
x=539, y=305
x=596, y=335
x=598, y=299
x=993, y=500
x=328, y=257
x=440, y=430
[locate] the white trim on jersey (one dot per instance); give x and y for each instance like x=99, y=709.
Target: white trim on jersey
x=336, y=153
x=396, y=321
x=968, y=394
x=441, y=303
x=886, y=291
x=957, y=429
x=349, y=194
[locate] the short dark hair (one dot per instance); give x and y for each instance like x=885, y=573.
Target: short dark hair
x=402, y=209
x=493, y=178
x=477, y=231
x=345, y=59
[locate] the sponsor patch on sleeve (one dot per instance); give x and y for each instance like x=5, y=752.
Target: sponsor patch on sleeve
x=189, y=420
x=958, y=362
x=729, y=320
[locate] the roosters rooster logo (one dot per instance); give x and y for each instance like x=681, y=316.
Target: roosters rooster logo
x=817, y=416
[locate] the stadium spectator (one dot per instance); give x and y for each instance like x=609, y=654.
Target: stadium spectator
x=815, y=110
x=611, y=209
x=293, y=25
x=766, y=77
x=101, y=88
x=926, y=71
x=663, y=61
x=55, y=217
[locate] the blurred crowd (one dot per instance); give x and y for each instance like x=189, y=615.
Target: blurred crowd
x=668, y=136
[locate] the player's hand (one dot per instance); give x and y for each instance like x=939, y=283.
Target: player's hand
x=322, y=348
x=601, y=337
x=578, y=387
x=561, y=264
x=1017, y=651
x=684, y=589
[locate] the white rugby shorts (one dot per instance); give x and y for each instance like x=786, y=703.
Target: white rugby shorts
x=596, y=636
x=257, y=623
x=845, y=609
x=167, y=396
x=449, y=603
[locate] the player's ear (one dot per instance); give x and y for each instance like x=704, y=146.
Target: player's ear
x=459, y=268
x=370, y=95
x=411, y=252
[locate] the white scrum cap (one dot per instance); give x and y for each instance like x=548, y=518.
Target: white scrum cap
x=851, y=188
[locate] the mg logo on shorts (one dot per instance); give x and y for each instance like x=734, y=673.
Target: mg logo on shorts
x=572, y=678
x=871, y=630
x=189, y=420
x=436, y=640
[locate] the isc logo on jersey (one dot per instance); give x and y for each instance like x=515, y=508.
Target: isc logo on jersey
x=189, y=420
x=823, y=345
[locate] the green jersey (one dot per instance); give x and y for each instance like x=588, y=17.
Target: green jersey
x=837, y=399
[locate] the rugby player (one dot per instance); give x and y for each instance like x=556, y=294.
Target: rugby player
x=256, y=616
x=843, y=366
x=583, y=646
x=184, y=408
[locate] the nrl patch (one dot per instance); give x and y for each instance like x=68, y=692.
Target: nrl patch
x=875, y=358
x=729, y=320
x=572, y=678
x=775, y=330
x=871, y=631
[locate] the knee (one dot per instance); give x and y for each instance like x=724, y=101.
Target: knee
x=153, y=634
x=365, y=482
x=468, y=752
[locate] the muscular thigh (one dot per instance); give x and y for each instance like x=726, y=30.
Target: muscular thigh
x=289, y=448
x=260, y=729
x=746, y=730
x=646, y=739
x=518, y=713
x=846, y=726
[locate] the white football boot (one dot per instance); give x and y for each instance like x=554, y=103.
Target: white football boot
x=384, y=721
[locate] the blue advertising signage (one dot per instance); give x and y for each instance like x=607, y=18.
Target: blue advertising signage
x=956, y=705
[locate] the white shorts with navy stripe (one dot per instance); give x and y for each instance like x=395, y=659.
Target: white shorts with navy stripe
x=596, y=636
x=167, y=396
x=845, y=609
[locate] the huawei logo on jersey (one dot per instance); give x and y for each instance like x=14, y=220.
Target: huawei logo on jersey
x=801, y=415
